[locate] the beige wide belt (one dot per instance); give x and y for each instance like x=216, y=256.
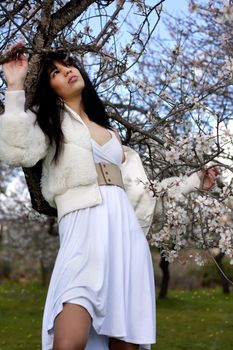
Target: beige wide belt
x=109, y=174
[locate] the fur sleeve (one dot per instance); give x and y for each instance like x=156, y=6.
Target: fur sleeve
x=22, y=142
x=147, y=208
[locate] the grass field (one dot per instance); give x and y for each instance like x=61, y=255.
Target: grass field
x=195, y=320
x=187, y=320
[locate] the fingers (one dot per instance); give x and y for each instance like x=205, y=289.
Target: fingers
x=208, y=177
x=210, y=174
x=213, y=172
x=14, y=52
x=14, y=46
x=216, y=170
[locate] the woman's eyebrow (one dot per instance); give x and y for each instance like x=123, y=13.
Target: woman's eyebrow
x=53, y=67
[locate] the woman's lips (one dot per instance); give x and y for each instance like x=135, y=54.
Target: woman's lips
x=72, y=79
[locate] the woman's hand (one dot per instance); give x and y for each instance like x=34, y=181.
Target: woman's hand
x=15, y=69
x=208, y=177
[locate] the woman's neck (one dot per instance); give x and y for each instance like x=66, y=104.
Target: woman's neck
x=77, y=106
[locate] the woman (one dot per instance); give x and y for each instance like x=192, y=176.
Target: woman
x=101, y=293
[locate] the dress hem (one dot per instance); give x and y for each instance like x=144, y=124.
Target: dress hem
x=144, y=345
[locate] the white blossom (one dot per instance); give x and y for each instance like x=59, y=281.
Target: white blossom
x=172, y=155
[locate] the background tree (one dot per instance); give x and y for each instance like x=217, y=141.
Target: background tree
x=26, y=236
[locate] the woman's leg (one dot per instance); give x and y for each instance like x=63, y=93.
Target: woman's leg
x=116, y=344
x=71, y=328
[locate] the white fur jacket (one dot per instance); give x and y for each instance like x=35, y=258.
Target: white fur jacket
x=72, y=183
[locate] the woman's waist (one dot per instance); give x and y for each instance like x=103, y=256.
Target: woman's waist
x=84, y=196
x=109, y=174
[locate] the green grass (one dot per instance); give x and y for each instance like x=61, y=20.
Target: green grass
x=195, y=320
x=187, y=320
x=21, y=308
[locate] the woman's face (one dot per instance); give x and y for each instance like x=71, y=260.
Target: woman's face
x=65, y=80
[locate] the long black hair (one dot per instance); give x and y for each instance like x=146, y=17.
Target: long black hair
x=49, y=107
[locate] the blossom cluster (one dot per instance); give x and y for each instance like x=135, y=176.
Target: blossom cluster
x=188, y=148
x=195, y=220
x=202, y=219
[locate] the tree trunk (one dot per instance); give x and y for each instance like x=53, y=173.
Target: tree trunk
x=33, y=178
x=164, y=265
x=45, y=273
x=225, y=284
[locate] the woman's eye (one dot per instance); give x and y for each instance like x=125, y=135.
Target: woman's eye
x=55, y=73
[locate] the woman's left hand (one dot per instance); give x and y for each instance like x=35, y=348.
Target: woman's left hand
x=208, y=177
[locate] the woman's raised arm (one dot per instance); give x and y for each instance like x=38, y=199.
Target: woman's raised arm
x=22, y=142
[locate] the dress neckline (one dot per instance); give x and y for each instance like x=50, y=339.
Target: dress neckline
x=105, y=142
x=75, y=114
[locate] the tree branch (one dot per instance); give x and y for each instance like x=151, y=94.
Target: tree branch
x=12, y=13
x=116, y=116
x=67, y=14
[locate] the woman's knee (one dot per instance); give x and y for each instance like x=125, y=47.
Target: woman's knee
x=67, y=344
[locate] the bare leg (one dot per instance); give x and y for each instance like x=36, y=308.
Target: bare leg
x=116, y=344
x=71, y=328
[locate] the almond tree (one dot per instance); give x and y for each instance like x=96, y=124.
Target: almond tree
x=171, y=104
x=92, y=30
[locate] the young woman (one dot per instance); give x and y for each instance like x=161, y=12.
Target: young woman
x=101, y=293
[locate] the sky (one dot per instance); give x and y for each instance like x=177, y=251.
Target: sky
x=175, y=7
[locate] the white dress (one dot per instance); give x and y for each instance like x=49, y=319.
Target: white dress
x=104, y=264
